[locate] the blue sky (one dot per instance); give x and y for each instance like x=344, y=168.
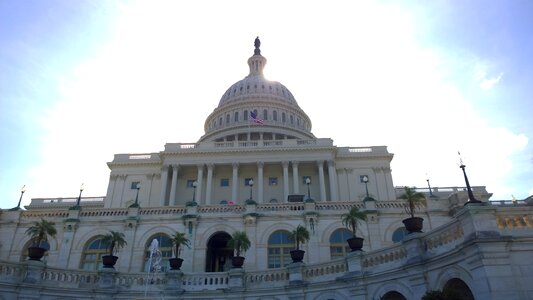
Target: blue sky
x=83, y=80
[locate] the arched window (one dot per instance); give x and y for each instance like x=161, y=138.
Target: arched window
x=165, y=248
x=236, y=118
x=91, y=258
x=399, y=234
x=393, y=295
x=265, y=114
x=283, y=117
x=220, y=121
x=227, y=119
x=279, y=247
x=292, y=119
x=275, y=115
x=338, y=247
x=245, y=116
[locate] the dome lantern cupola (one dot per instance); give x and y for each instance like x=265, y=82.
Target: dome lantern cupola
x=257, y=62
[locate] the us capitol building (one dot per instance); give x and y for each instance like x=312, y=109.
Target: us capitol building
x=259, y=169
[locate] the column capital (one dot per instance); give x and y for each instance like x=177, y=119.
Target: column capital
x=331, y=163
x=260, y=164
x=320, y=163
x=210, y=166
x=235, y=165
x=175, y=166
x=200, y=166
x=165, y=167
x=294, y=163
x=285, y=164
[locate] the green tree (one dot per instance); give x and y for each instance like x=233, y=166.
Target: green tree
x=300, y=235
x=179, y=239
x=40, y=231
x=114, y=241
x=239, y=242
x=414, y=200
x=352, y=219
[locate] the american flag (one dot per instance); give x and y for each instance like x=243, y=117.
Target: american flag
x=255, y=118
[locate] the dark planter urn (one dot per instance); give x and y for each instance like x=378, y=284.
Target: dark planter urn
x=237, y=261
x=355, y=243
x=109, y=261
x=297, y=255
x=413, y=224
x=36, y=253
x=175, y=263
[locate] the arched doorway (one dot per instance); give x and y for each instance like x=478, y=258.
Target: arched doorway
x=393, y=295
x=218, y=256
x=459, y=287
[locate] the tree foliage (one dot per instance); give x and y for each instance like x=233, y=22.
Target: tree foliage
x=414, y=200
x=239, y=242
x=299, y=235
x=40, y=231
x=353, y=218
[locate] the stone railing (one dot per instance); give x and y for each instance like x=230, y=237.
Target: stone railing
x=215, y=209
x=44, y=214
x=109, y=212
x=298, y=206
x=205, y=281
x=268, y=278
x=162, y=211
x=345, y=206
x=319, y=272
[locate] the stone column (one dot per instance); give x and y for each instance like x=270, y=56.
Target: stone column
x=235, y=183
x=285, y=165
x=173, y=185
x=321, y=180
x=295, y=181
x=209, y=183
x=199, y=180
x=260, y=182
x=333, y=185
x=164, y=178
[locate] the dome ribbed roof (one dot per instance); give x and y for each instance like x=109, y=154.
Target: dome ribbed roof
x=257, y=86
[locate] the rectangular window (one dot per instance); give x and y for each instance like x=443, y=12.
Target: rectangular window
x=245, y=115
x=190, y=183
x=304, y=179
x=236, y=119
x=273, y=181
x=247, y=181
x=134, y=184
x=224, y=182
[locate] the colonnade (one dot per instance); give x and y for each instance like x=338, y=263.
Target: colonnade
x=174, y=169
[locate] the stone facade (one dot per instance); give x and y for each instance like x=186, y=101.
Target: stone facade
x=259, y=169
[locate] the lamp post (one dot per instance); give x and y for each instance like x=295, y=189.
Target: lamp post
x=77, y=206
x=136, y=204
x=22, y=191
x=471, y=198
x=429, y=187
x=308, y=182
x=365, y=180
x=251, y=184
x=194, y=185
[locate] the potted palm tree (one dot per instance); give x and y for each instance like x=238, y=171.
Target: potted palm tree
x=114, y=241
x=178, y=239
x=299, y=235
x=351, y=221
x=240, y=243
x=39, y=233
x=414, y=201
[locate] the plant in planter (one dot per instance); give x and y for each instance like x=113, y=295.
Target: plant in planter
x=114, y=241
x=178, y=239
x=414, y=201
x=351, y=221
x=39, y=233
x=299, y=235
x=240, y=243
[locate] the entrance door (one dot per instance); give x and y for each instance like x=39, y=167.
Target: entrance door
x=218, y=257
